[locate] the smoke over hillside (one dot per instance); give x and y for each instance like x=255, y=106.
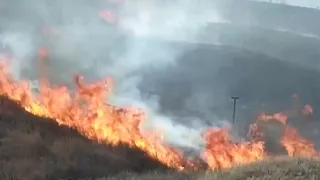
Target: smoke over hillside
x=164, y=57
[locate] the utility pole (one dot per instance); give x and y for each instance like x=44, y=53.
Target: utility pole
x=234, y=108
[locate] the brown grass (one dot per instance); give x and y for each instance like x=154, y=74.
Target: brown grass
x=33, y=148
x=281, y=168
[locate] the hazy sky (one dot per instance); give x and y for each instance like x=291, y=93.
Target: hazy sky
x=306, y=3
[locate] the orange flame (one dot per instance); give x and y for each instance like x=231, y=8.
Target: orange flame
x=291, y=140
x=86, y=110
x=298, y=146
x=222, y=153
x=278, y=116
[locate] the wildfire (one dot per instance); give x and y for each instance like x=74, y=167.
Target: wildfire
x=222, y=153
x=298, y=146
x=291, y=140
x=87, y=111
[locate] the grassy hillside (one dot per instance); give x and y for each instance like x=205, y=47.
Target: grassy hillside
x=280, y=168
x=33, y=148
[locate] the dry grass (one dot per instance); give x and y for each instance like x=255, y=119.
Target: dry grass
x=33, y=148
x=283, y=168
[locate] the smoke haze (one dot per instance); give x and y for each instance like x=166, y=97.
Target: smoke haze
x=302, y=3
x=180, y=61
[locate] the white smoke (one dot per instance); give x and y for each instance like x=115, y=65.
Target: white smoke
x=307, y=35
x=75, y=49
x=302, y=3
x=174, y=21
x=179, y=20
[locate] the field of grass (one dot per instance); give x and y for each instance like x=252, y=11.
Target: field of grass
x=280, y=169
x=34, y=148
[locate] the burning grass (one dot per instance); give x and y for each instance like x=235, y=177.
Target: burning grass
x=87, y=111
x=70, y=135
x=35, y=148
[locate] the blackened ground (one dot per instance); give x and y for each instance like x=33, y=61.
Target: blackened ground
x=34, y=148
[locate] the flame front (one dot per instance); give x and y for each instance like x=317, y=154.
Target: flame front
x=298, y=146
x=86, y=110
x=222, y=153
x=291, y=140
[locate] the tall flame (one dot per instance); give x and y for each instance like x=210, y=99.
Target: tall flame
x=291, y=140
x=222, y=153
x=87, y=111
x=297, y=145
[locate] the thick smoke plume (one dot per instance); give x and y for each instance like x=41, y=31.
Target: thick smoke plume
x=79, y=40
x=179, y=61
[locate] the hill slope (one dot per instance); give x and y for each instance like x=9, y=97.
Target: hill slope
x=34, y=148
x=280, y=168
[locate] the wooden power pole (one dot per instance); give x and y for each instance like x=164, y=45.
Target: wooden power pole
x=234, y=108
